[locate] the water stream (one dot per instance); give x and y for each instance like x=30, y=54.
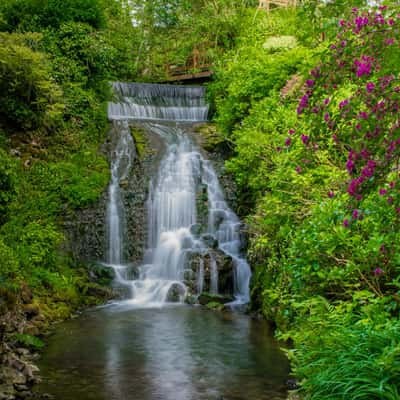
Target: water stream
x=171, y=353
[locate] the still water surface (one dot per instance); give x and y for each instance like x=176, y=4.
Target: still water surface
x=172, y=353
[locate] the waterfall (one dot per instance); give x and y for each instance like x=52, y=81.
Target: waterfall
x=121, y=161
x=172, y=203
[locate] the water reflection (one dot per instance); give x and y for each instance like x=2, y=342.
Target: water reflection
x=174, y=353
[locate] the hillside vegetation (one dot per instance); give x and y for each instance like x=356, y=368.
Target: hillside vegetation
x=56, y=61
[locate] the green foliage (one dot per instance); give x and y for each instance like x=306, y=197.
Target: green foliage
x=34, y=15
x=29, y=97
x=29, y=341
x=8, y=183
x=10, y=269
x=325, y=273
x=340, y=356
x=53, y=86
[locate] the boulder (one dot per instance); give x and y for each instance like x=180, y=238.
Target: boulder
x=176, y=293
x=210, y=241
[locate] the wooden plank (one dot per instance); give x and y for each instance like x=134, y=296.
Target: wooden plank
x=185, y=77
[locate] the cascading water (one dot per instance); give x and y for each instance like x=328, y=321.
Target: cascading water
x=121, y=162
x=172, y=203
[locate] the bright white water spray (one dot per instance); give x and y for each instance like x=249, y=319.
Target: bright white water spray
x=172, y=211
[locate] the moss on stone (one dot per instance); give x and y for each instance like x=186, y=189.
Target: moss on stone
x=140, y=141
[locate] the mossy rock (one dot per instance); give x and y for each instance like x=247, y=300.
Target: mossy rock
x=207, y=298
x=213, y=305
x=101, y=274
x=210, y=137
x=140, y=141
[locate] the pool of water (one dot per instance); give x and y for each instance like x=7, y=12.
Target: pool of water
x=171, y=353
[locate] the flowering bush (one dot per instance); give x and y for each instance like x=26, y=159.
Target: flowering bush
x=352, y=102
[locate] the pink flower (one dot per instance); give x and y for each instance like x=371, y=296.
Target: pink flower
x=350, y=166
x=382, y=192
x=305, y=139
x=346, y=223
x=370, y=87
x=378, y=271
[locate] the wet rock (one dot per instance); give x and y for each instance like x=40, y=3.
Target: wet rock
x=191, y=299
x=196, y=229
x=210, y=241
x=31, y=310
x=189, y=275
x=99, y=291
x=292, y=384
x=124, y=184
x=26, y=294
x=31, y=329
x=176, y=293
x=101, y=274
x=225, y=267
x=7, y=392
x=20, y=387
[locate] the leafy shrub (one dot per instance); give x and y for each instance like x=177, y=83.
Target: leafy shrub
x=34, y=15
x=338, y=356
x=29, y=97
x=29, y=341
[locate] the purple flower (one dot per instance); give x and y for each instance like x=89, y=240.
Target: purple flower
x=389, y=41
x=355, y=214
x=331, y=194
x=291, y=131
x=335, y=138
x=382, y=192
x=298, y=169
x=371, y=164
x=279, y=149
x=392, y=185
x=390, y=200
x=363, y=115
x=346, y=223
x=327, y=101
x=288, y=141
x=326, y=117
x=370, y=87
x=378, y=271
x=344, y=103
x=364, y=153
x=363, y=68
x=310, y=82
x=350, y=166
x=303, y=104
x=305, y=139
